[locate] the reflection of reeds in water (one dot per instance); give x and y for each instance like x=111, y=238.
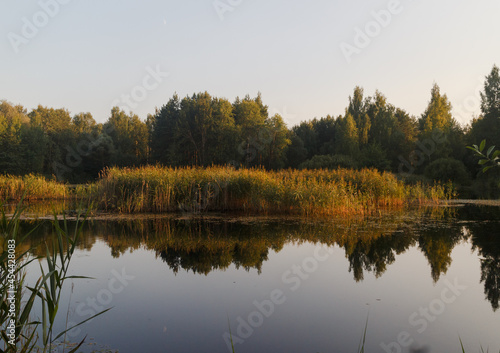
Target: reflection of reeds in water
x=41, y=208
x=371, y=244
x=305, y=192
x=202, y=245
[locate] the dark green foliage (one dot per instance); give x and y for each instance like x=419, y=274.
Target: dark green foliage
x=375, y=156
x=447, y=169
x=308, y=135
x=329, y=162
x=490, y=98
x=489, y=158
x=202, y=130
x=21, y=145
x=32, y=150
x=487, y=126
x=130, y=138
x=486, y=185
x=296, y=153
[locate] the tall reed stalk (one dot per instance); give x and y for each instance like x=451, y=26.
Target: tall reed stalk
x=31, y=187
x=17, y=309
x=304, y=192
x=301, y=192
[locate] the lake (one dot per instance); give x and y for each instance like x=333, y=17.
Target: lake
x=417, y=279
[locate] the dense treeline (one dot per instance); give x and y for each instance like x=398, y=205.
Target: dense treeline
x=202, y=130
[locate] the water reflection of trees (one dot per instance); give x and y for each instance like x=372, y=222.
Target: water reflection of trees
x=202, y=246
x=485, y=237
x=370, y=245
x=375, y=254
x=437, y=242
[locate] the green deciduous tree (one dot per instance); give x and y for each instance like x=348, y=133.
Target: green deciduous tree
x=490, y=98
x=308, y=135
x=347, y=137
x=278, y=140
x=296, y=152
x=83, y=123
x=12, y=119
x=222, y=137
x=198, y=130
x=250, y=118
x=56, y=126
x=130, y=138
x=438, y=113
x=358, y=109
x=438, y=119
x=163, y=146
x=487, y=126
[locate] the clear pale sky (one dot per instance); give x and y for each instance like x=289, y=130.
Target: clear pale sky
x=89, y=53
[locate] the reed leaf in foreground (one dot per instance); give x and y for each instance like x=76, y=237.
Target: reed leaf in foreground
x=361, y=347
x=463, y=349
x=47, y=289
x=10, y=276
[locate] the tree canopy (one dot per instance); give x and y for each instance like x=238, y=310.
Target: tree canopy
x=203, y=130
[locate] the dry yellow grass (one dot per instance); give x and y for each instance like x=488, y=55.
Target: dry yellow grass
x=162, y=189
x=304, y=192
x=33, y=187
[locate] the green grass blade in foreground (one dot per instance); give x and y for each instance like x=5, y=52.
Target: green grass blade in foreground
x=230, y=334
x=361, y=347
x=461, y=345
x=47, y=289
x=78, y=346
x=81, y=323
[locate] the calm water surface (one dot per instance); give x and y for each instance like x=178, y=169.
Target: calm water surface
x=420, y=279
